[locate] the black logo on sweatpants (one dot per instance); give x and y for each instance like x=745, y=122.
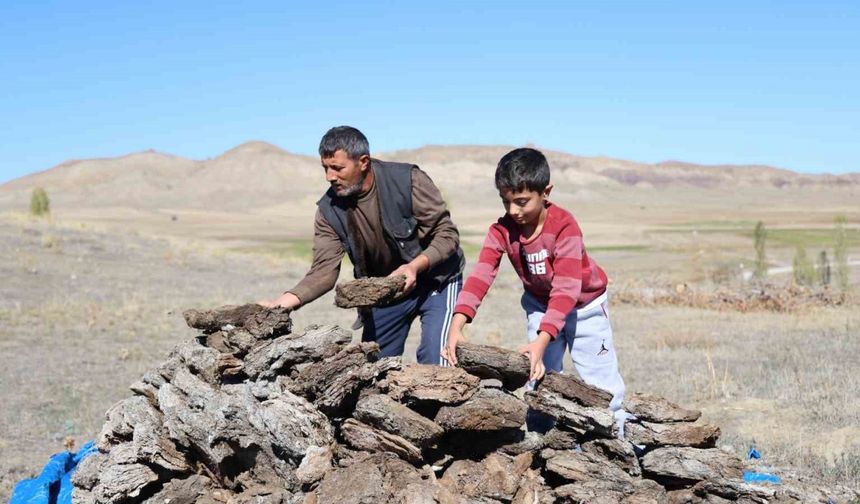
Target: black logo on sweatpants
x=603, y=349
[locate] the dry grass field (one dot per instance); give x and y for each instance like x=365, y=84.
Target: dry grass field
x=83, y=313
x=92, y=298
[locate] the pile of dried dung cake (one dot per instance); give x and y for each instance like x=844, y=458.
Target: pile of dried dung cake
x=249, y=411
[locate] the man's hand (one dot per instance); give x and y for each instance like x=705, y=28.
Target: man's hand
x=411, y=270
x=286, y=300
x=455, y=336
x=535, y=349
x=411, y=276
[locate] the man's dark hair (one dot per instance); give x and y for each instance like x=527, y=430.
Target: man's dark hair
x=345, y=138
x=523, y=169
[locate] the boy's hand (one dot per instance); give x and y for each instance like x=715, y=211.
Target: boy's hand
x=455, y=336
x=449, y=353
x=535, y=349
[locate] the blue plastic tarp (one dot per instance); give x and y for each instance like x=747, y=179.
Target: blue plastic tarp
x=761, y=477
x=54, y=484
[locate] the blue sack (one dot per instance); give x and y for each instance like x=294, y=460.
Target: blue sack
x=54, y=484
x=757, y=477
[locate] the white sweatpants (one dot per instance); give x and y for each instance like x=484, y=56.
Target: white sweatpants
x=587, y=334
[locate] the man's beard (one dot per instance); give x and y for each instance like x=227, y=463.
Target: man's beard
x=353, y=189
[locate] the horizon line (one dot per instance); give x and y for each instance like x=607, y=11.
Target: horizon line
x=439, y=145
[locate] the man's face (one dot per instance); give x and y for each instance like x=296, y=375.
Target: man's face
x=345, y=175
x=524, y=206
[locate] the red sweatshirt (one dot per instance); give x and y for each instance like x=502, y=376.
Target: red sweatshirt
x=553, y=266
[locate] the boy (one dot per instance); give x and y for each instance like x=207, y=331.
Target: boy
x=565, y=290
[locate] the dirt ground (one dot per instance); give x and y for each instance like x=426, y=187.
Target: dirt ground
x=83, y=313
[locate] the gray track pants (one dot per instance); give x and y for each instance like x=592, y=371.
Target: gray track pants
x=587, y=334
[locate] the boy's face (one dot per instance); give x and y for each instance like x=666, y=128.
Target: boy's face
x=524, y=206
x=345, y=175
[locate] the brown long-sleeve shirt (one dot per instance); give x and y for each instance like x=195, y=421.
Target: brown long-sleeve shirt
x=437, y=234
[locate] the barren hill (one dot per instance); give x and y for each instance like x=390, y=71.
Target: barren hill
x=259, y=192
x=239, y=179
x=257, y=175
x=607, y=170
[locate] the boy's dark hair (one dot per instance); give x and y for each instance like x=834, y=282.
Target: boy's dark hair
x=345, y=138
x=523, y=169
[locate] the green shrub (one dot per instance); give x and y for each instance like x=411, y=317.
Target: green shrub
x=804, y=271
x=39, y=203
x=724, y=272
x=823, y=268
x=760, y=235
x=840, y=255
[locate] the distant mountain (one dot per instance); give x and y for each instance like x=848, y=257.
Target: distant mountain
x=257, y=175
x=240, y=179
x=630, y=173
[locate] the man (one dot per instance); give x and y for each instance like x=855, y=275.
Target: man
x=390, y=219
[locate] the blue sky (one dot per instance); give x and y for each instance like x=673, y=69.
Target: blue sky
x=732, y=82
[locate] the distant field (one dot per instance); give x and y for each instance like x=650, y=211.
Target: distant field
x=810, y=238
x=300, y=249
x=619, y=248
x=699, y=245
x=716, y=224
x=823, y=235
x=297, y=248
